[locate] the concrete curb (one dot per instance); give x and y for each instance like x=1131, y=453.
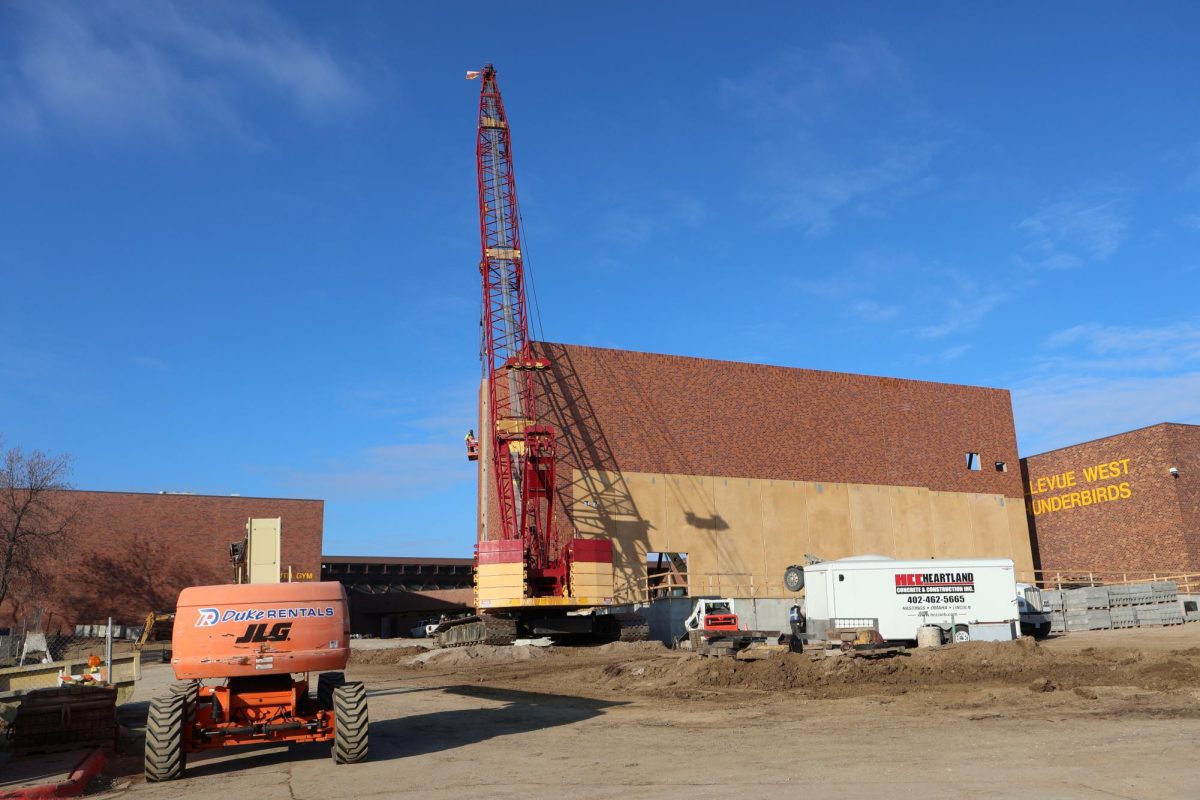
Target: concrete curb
x=73, y=786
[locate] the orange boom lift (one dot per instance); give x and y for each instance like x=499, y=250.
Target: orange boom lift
x=261, y=641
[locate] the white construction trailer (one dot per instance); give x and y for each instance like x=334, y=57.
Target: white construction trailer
x=970, y=598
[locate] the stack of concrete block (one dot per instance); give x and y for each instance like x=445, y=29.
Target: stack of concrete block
x=1142, y=594
x=1086, y=609
x=1164, y=591
x=1053, y=599
x=1083, y=599
x=1148, y=615
x=1123, y=616
x=1120, y=595
x=1120, y=606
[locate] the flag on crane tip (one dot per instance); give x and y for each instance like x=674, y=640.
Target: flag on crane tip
x=473, y=74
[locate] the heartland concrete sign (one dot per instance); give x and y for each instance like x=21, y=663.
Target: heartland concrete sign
x=1073, y=489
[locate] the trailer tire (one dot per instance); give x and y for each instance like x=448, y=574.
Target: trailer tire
x=793, y=578
x=327, y=682
x=960, y=634
x=164, y=756
x=350, y=723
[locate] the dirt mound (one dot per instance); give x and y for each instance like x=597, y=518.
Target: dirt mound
x=479, y=654
x=384, y=655
x=632, y=648
x=977, y=664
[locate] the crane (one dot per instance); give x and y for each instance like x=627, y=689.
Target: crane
x=529, y=570
x=522, y=451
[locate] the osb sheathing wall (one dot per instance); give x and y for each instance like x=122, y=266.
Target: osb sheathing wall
x=739, y=532
x=826, y=463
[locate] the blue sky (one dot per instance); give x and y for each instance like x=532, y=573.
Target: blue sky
x=239, y=247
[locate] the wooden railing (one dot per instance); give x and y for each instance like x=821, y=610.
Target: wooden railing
x=662, y=584
x=1077, y=578
x=744, y=584
x=738, y=584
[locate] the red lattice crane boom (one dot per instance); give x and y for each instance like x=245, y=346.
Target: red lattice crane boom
x=532, y=576
x=520, y=451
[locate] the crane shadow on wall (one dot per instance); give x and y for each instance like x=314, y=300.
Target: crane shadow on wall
x=507, y=712
x=605, y=503
x=711, y=523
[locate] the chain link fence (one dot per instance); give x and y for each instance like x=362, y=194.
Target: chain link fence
x=33, y=656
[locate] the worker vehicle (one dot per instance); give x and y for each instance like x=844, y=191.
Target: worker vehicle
x=1035, y=613
x=153, y=620
x=969, y=599
x=712, y=615
x=713, y=628
x=533, y=576
x=258, y=644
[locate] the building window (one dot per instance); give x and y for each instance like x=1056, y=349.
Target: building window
x=1001, y=466
x=973, y=462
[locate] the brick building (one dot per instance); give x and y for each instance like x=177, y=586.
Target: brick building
x=391, y=595
x=742, y=469
x=1114, y=504
x=131, y=553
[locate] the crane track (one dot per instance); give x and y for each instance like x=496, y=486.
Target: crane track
x=497, y=631
x=634, y=628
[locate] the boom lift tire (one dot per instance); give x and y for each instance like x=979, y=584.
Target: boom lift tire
x=960, y=634
x=191, y=693
x=350, y=723
x=326, y=684
x=164, y=756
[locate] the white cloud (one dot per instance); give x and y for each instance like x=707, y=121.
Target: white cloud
x=635, y=223
x=148, y=362
x=957, y=303
x=395, y=471
x=874, y=311
x=1065, y=234
x=808, y=188
x=953, y=353
x=1124, y=348
x=806, y=171
x=1055, y=411
x=1095, y=380
x=933, y=300
x=163, y=69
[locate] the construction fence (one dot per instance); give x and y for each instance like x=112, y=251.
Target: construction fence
x=37, y=659
x=1186, y=583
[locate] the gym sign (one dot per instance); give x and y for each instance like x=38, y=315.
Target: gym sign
x=1071, y=492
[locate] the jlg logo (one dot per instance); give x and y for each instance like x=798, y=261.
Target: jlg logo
x=258, y=633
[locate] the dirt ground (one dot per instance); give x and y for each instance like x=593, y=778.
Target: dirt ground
x=1097, y=715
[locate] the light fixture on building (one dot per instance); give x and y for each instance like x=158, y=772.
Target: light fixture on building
x=1174, y=472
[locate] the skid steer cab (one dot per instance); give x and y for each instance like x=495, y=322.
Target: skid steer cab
x=712, y=615
x=243, y=655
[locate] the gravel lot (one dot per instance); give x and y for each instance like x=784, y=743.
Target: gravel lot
x=1097, y=715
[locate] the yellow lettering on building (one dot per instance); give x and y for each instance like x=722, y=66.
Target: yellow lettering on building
x=1085, y=497
x=1107, y=471
x=1063, y=480
x=1088, y=496
x=297, y=576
